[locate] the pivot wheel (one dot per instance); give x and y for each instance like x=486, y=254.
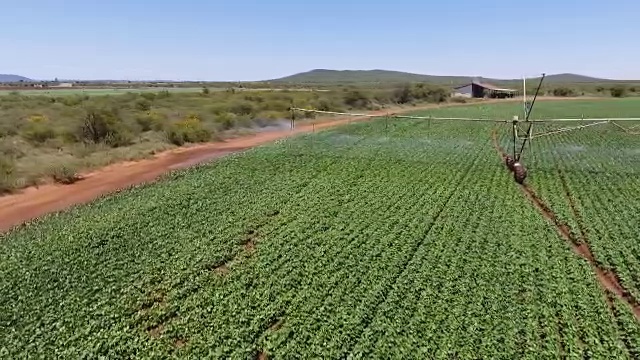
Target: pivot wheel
x=519, y=173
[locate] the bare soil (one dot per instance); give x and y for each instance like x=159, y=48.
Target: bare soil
x=609, y=281
x=179, y=343
x=156, y=331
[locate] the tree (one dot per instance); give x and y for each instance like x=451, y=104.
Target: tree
x=562, y=91
x=618, y=91
x=104, y=125
x=402, y=95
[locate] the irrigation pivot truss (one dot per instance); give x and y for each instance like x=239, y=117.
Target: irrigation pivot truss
x=522, y=130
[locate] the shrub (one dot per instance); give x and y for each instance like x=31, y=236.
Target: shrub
x=38, y=129
x=72, y=100
x=356, y=99
x=148, y=96
x=143, y=105
x=64, y=173
x=562, y=91
x=11, y=148
x=277, y=105
x=419, y=92
x=188, y=130
x=163, y=94
x=459, y=99
x=152, y=121
x=226, y=120
x=618, y=91
x=103, y=125
x=7, y=177
x=402, y=95
x=327, y=105
x=242, y=107
x=217, y=109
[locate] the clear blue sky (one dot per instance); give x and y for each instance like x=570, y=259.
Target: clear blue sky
x=254, y=40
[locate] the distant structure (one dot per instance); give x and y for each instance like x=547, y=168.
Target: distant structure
x=62, y=85
x=479, y=89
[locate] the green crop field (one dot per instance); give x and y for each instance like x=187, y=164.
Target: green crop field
x=381, y=239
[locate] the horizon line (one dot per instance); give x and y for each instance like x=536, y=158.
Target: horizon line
x=306, y=72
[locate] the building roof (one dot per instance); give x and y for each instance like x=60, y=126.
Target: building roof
x=487, y=86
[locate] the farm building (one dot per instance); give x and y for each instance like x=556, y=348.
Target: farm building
x=62, y=85
x=479, y=90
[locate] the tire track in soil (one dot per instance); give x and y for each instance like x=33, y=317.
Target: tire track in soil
x=609, y=281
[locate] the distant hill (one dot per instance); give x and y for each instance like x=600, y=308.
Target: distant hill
x=365, y=76
x=6, y=78
x=325, y=76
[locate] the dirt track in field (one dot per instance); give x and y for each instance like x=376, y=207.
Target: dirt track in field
x=609, y=281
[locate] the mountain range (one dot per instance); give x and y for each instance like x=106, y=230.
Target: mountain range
x=7, y=78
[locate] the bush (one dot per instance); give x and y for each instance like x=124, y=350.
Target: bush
x=7, y=177
x=277, y=105
x=562, y=91
x=356, y=99
x=72, y=100
x=148, y=96
x=152, y=121
x=217, y=109
x=327, y=105
x=188, y=130
x=419, y=92
x=103, y=125
x=618, y=91
x=38, y=129
x=143, y=105
x=163, y=94
x=402, y=95
x=64, y=173
x=242, y=107
x=226, y=120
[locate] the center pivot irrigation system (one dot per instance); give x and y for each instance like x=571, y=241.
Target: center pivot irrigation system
x=522, y=130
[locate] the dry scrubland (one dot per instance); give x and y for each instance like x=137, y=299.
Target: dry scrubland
x=400, y=239
x=53, y=137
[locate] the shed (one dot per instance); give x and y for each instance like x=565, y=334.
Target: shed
x=478, y=89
